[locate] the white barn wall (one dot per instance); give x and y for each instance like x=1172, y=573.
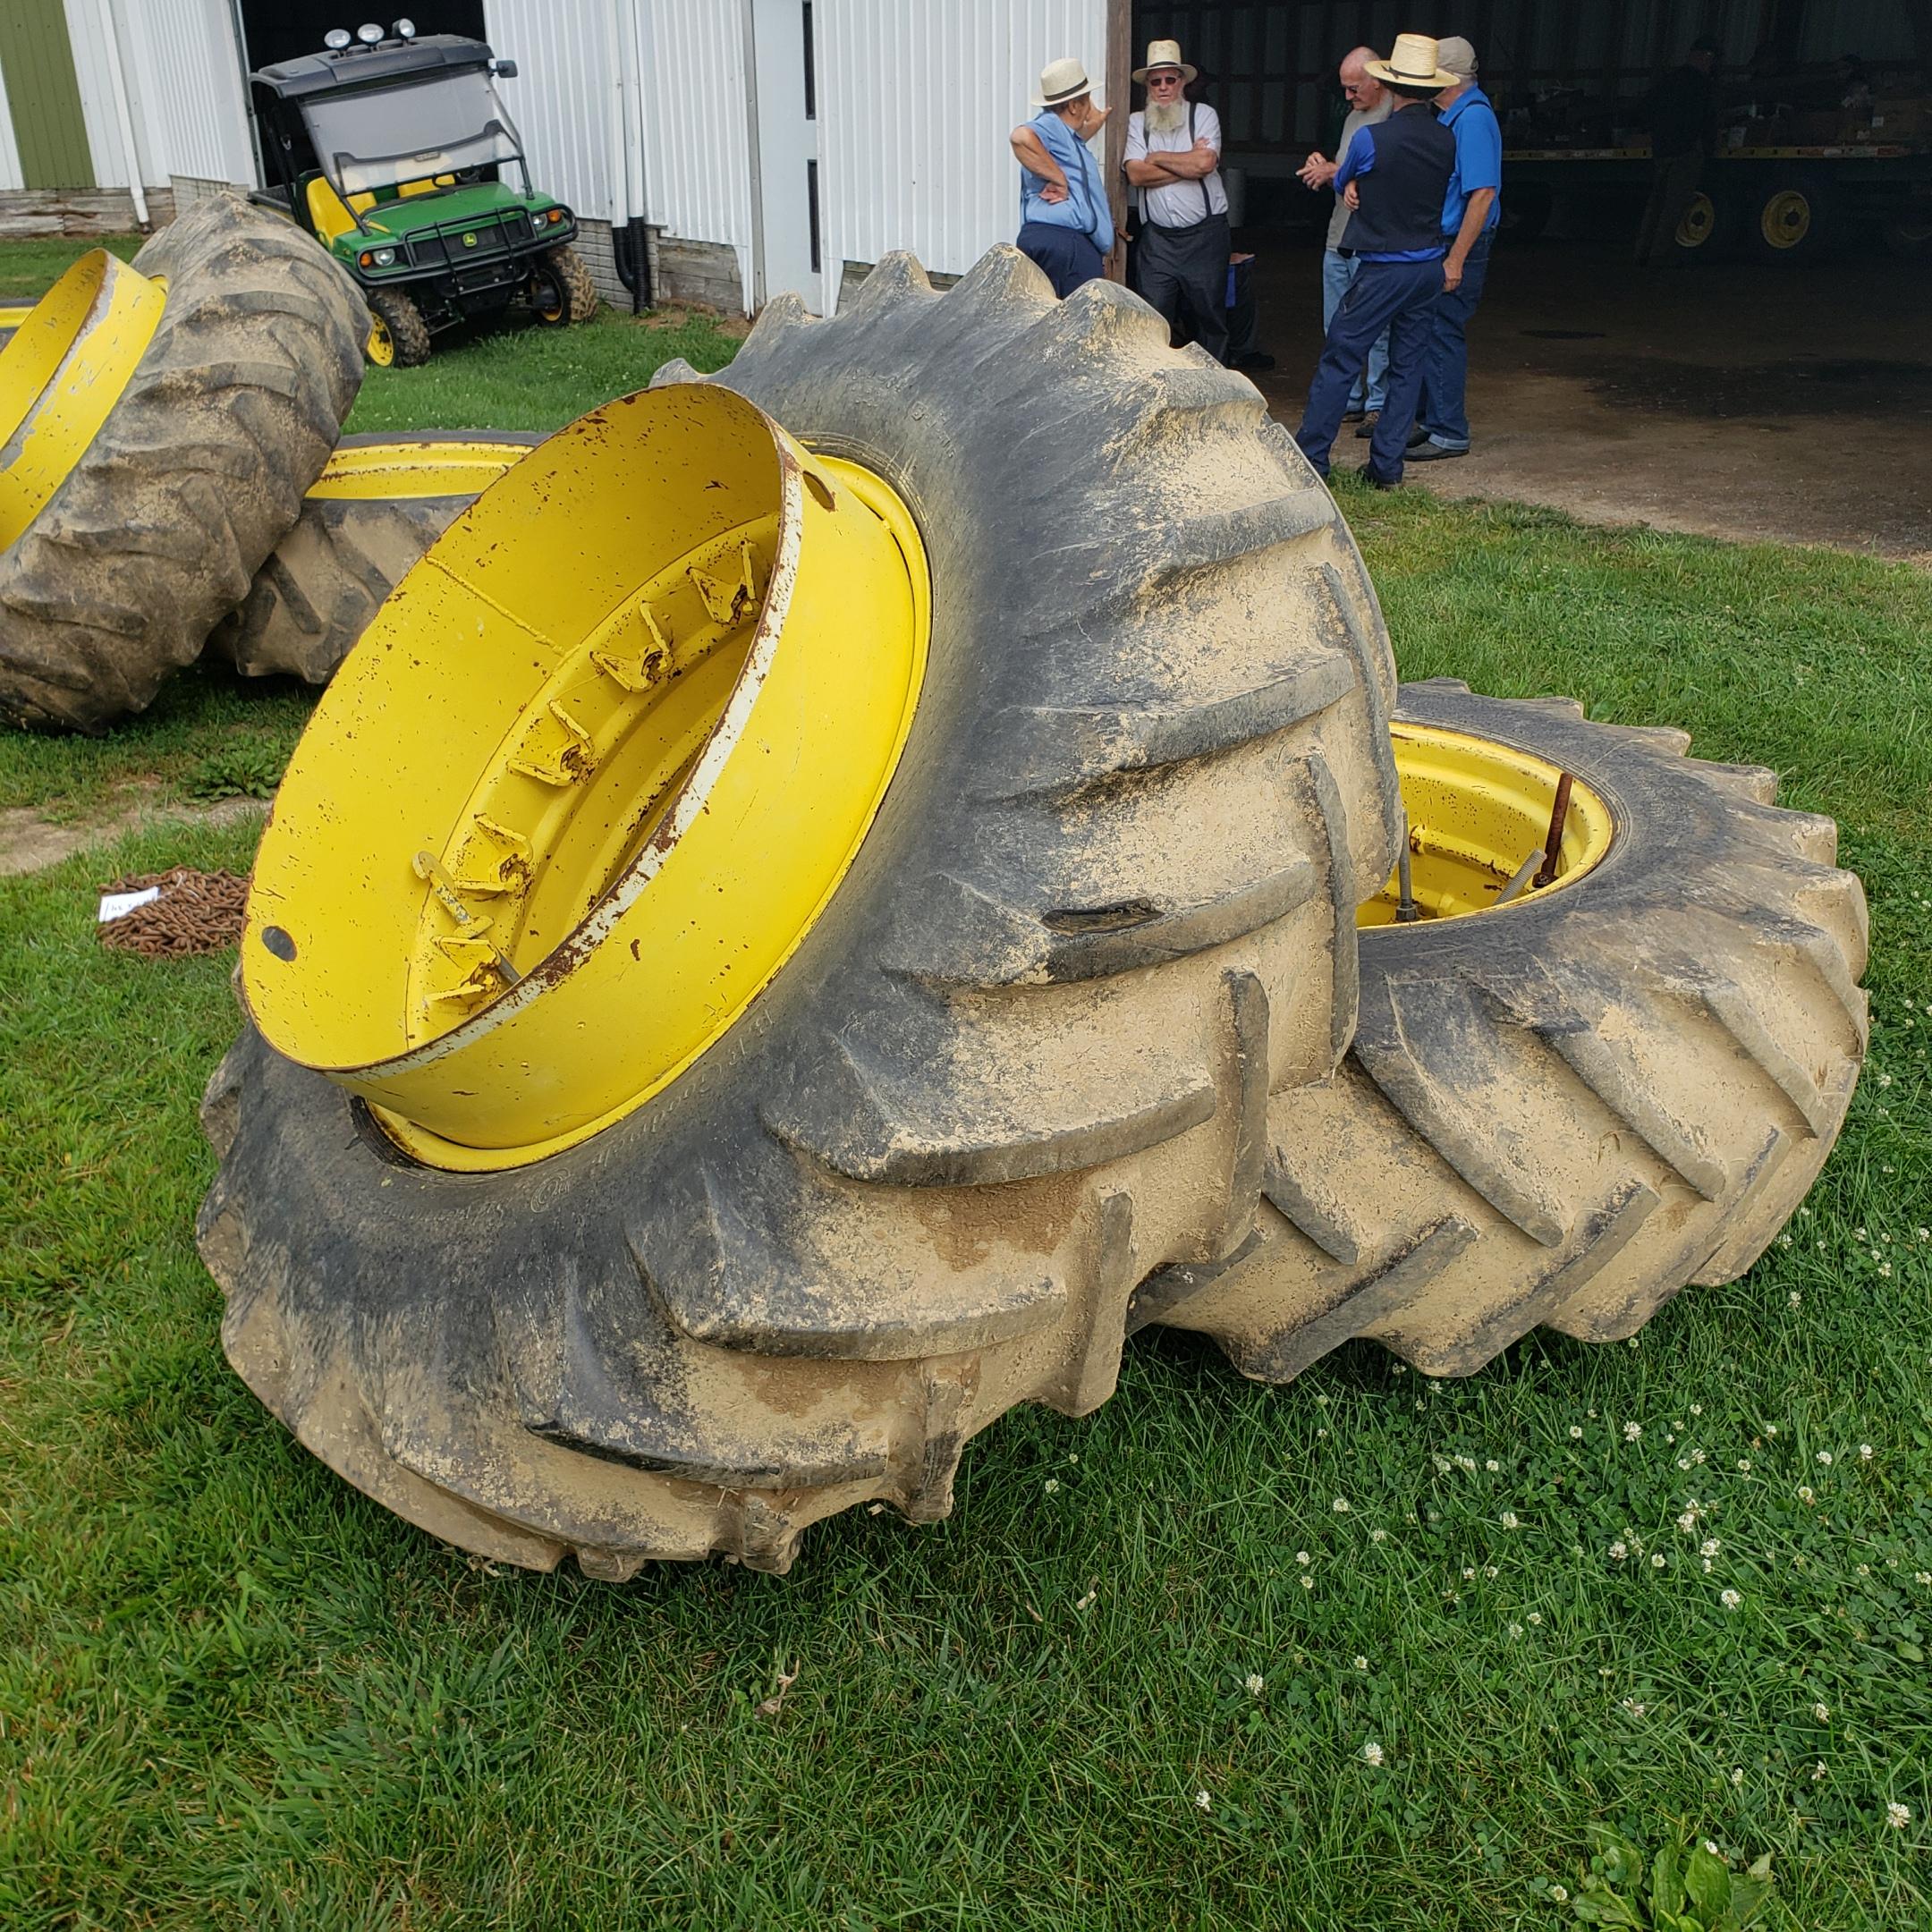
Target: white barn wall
x=916, y=98
x=184, y=79
x=565, y=96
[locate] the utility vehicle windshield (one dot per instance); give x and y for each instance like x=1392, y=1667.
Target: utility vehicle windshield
x=417, y=131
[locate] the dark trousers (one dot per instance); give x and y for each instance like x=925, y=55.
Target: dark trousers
x=1068, y=257
x=1446, y=359
x=1396, y=296
x=1182, y=271
x=1674, y=182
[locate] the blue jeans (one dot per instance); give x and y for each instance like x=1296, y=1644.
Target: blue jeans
x=1337, y=272
x=1068, y=257
x=1446, y=361
x=1392, y=297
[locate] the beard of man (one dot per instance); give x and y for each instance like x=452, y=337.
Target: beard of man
x=1166, y=118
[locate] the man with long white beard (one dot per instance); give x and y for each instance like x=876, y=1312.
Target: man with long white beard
x=1174, y=163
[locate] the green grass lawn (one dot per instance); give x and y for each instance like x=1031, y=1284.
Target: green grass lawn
x=29, y=268
x=233, y=1692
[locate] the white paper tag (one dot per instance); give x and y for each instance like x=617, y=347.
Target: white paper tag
x=118, y=905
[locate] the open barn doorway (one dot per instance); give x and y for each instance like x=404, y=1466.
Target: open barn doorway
x=282, y=30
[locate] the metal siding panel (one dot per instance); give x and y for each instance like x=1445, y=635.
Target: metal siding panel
x=919, y=95
x=697, y=167
x=183, y=73
x=565, y=98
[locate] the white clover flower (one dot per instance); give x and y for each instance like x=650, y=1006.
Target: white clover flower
x=1490, y=1570
x=1632, y=1430
x=1508, y=1519
x=1822, y=1712
x=1922, y=1577
x=1308, y=1583
x=1361, y=1663
x=1805, y=1493
x=1053, y=1483
x=1469, y=1576
x=1824, y=1459
x=1865, y=1452
x=1535, y=1616
x=1710, y=1845
x=1744, y=1464
x=1687, y=1522
x=1203, y=1800
x=1492, y=1465
x=1683, y=1462
x=1885, y=1268
x=1794, y=1298
x=1696, y=1407
x=1340, y=1505
x=1709, y=1546
x=1656, y=1562
x=1730, y=1599
x=1633, y=1708
x=1707, y=1566
x=1515, y=1630
x=1770, y=1428
x=1897, y=1816
x=1737, y=1777
x=1378, y=1536
x=1818, y=1771
x=1302, y=1557
x=1466, y=1462
x=1619, y=1549
x=1559, y=1895
x=1371, y=1752
x=1576, y=1434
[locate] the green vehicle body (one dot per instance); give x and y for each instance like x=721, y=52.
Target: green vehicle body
x=429, y=213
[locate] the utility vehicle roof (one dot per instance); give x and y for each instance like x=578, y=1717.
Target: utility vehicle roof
x=361, y=66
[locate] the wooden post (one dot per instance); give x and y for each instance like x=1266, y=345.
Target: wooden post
x=1120, y=101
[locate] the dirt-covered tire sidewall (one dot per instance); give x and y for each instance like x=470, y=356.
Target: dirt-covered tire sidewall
x=198, y=471
x=409, y=334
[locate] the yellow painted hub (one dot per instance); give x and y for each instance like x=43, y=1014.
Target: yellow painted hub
x=62, y=374
x=380, y=347
x=417, y=467
x=1477, y=810
x=589, y=778
x=1786, y=218
x=1698, y=220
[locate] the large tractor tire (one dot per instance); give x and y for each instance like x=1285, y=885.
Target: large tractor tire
x=379, y=504
x=1556, y=1112
x=164, y=420
x=1020, y=1058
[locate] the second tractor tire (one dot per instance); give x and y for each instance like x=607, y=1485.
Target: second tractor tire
x=1560, y=1112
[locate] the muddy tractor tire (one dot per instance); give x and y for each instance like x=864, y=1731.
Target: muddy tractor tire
x=1021, y=1058
x=396, y=336
x=236, y=344
x=560, y=290
x=379, y=504
x=1559, y=1111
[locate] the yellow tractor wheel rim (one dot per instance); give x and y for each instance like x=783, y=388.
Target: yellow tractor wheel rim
x=1786, y=219
x=62, y=374
x=431, y=468
x=380, y=348
x=1694, y=230
x=1478, y=809
x=589, y=779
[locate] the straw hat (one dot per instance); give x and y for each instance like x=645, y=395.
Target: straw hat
x=1413, y=65
x=1061, y=81
x=1166, y=54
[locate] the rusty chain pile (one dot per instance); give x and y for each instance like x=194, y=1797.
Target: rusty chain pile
x=197, y=912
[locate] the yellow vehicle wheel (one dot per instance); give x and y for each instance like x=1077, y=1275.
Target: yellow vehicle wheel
x=1791, y=219
x=162, y=421
x=377, y=505
x=380, y=348
x=794, y=908
x=398, y=337
x=560, y=290
x=1556, y=1111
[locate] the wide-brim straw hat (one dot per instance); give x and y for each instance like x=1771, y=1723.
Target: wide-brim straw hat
x=1413, y=62
x=1165, y=54
x=1061, y=81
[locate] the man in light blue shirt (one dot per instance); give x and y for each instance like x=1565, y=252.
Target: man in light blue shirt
x=1471, y=211
x=1065, y=225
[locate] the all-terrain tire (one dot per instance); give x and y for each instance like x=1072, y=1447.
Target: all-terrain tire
x=194, y=477
x=1022, y=1058
x=328, y=578
x=1559, y=1113
x=397, y=322
x=573, y=296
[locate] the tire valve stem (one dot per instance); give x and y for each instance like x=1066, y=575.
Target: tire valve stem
x=443, y=887
x=1407, y=911
x=1560, y=812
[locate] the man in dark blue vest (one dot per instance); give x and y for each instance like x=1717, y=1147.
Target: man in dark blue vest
x=1394, y=176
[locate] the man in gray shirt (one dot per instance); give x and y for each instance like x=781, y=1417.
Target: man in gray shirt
x=1369, y=102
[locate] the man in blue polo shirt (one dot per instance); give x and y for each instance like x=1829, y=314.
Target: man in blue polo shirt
x=1065, y=225
x=1393, y=178
x=1471, y=211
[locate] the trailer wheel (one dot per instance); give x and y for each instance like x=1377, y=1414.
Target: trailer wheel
x=1707, y=229
x=560, y=290
x=1793, y=219
x=1558, y=1112
x=166, y=417
x=682, y=1287
x=398, y=337
x=1908, y=230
